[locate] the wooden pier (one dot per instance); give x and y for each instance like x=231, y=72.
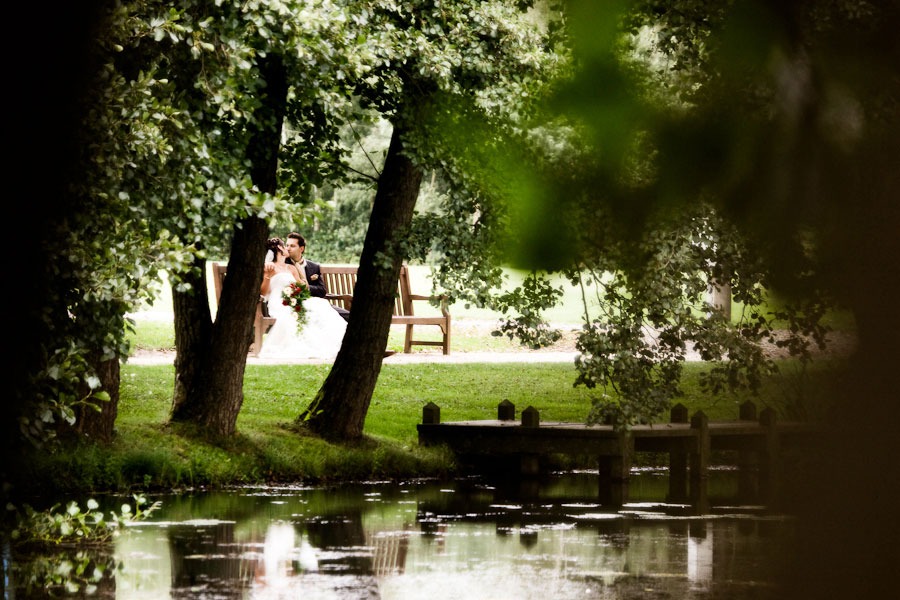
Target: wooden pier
x=689, y=442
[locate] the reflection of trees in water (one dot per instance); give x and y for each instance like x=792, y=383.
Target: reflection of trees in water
x=343, y=539
x=208, y=557
x=350, y=551
x=330, y=551
x=700, y=554
x=345, y=554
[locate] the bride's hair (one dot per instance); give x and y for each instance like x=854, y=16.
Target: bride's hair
x=272, y=245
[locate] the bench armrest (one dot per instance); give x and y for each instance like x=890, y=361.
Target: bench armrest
x=443, y=299
x=418, y=297
x=347, y=299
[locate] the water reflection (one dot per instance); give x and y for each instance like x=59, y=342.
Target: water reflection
x=437, y=540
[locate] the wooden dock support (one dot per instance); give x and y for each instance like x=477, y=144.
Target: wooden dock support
x=520, y=447
x=700, y=463
x=529, y=464
x=615, y=472
x=748, y=460
x=768, y=467
x=678, y=460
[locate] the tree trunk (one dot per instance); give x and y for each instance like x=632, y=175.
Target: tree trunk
x=99, y=426
x=339, y=409
x=210, y=361
x=193, y=333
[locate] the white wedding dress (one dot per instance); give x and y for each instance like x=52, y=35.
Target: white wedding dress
x=321, y=335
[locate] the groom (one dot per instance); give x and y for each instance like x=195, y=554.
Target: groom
x=295, y=247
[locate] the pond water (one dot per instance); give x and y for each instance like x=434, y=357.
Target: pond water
x=468, y=538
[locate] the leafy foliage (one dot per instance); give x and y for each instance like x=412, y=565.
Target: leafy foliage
x=42, y=539
x=162, y=174
x=593, y=187
x=652, y=313
x=73, y=525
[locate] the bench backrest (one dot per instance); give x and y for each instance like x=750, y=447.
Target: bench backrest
x=219, y=271
x=340, y=281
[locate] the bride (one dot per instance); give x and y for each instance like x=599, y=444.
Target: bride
x=324, y=329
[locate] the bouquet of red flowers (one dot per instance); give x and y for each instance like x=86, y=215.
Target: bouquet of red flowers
x=293, y=296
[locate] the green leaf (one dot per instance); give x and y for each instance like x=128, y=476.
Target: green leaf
x=68, y=414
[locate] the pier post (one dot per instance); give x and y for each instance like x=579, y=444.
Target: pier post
x=431, y=414
x=700, y=463
x=531, y=417
x=615, y=472
x=678, y=460
x=768, y=468
x=529, y=464
x=506, y=411
x=748, y=459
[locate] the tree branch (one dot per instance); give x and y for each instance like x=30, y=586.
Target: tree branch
x=369, y=158
x=372, y=177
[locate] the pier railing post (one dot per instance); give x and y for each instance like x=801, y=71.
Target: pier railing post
x=678, y=460
x=531, y=417
x=529, y=464
x=506, y=411
x=768, y=468
x=431, y=414
x=748, y=459
x=700, y=463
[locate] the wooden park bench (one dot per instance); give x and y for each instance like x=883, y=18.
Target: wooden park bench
x=340, y=282
x=262, y=322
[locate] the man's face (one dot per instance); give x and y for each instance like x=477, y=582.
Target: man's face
x=294, y=250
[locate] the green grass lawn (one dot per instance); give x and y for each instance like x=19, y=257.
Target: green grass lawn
x=149, y=453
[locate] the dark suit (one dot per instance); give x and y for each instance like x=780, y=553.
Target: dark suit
x=317, y=285
x=314, y=279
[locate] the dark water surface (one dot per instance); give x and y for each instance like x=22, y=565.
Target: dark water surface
x=464, y=539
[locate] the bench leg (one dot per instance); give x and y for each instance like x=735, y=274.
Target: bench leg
x=407, y=343
x=446, y=332
x=258, y=330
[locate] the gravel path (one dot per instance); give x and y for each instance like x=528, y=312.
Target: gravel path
x=143, y=357
x=840, y=344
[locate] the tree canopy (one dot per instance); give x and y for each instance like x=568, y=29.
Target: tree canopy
x=671, y=146
x=687, y=146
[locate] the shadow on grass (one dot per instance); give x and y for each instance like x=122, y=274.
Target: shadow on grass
x=177, y=455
